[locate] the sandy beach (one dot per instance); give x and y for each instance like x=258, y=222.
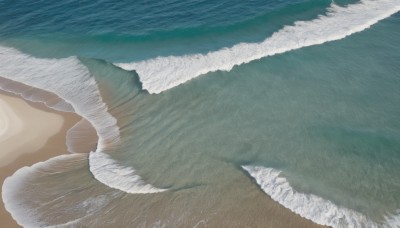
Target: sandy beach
x=29, y=132
x=49, y=140
x=21, y=133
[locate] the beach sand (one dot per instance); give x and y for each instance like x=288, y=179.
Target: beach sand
x=41, y=141
x=21, y=133
x=52, y=142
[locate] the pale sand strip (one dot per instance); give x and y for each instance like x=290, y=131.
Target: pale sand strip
x=24, y=129
x=54, y=145
x=265, y=210
x=10, y=124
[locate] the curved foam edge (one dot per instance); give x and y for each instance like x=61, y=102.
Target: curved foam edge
x=309, y=206
x=24, y=216
x=72, y=82
x=115, y=175
x=162, y=73
x=68, y=79
x=35, y=95
x=27, y=216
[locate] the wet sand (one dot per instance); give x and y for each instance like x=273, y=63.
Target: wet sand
x=256, y=209
x=54, y=146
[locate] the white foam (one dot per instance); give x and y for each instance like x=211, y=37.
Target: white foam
x=12, y=188
x=68, y=79
x=309, y=206
x=118, y=176
x=393, y=220
x=72, y=81
x=15, y=194
x=162, y=73
x=35, y=95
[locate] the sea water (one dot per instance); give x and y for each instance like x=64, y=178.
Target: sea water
x=193, y=100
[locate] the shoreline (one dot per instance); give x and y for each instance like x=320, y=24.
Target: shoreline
x=57, y=145
x=54, y=146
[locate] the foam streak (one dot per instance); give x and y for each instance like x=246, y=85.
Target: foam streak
x=117, y=176
x=162, y=73
x=309, y=206
x=72, y=81
x=67, y=78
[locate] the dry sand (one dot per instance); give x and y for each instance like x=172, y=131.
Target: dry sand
x=49, y=140
x=24, y=129
x=42, y=131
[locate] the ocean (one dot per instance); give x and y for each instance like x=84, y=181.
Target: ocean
x=205, y=111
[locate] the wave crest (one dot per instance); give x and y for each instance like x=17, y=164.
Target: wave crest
x=13, y=191
x=162, y=73
x=68, y=79
x=309, y=206
x=117, y=176
x=72, y=82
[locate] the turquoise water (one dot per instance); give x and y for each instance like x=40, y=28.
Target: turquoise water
x=327, y=116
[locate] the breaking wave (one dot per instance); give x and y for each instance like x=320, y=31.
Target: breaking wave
x=117, y=176
x=309, y=206
x=68, y=79
x=162, y=73
x=73, y=83
x=12, y=194
x=23, y=189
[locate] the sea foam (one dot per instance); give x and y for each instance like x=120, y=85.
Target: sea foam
x=33, y=94
x=309, y=206
x=68, y=79
x=118, y=176
x=12, y=192
x=72, y=82
x=21, y=194
x=162, y=73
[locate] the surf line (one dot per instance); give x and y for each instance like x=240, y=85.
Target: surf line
x=69, y=79
x=163, y=73
x=309, y=206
